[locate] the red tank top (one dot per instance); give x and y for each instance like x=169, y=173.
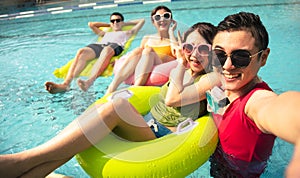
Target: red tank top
x=239, y=136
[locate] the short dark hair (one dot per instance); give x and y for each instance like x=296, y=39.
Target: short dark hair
x=246, y=21
x=118, y=14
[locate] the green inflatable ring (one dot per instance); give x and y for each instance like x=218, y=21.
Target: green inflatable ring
x=174, y=155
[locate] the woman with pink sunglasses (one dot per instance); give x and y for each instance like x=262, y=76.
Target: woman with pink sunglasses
x=155, y=49
x=182, y=97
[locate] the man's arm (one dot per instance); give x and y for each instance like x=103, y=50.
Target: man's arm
x=138, y=24
x=276, y=114
x=96, y=25
x=279, y=115
x=293, y=170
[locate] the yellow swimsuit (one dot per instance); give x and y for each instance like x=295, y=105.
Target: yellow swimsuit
x=162, y=51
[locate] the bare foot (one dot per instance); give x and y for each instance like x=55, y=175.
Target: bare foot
x=84, y=85
x=54, y=88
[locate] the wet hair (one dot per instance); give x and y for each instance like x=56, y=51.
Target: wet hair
x=153, y=12
x=208, y=32
x=118, y=14
x=249, y=22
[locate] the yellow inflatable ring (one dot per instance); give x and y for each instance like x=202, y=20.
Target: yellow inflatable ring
x=63, y=70
x=174, y=155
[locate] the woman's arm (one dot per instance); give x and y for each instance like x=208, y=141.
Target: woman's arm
x=96, y=25
x=173, y=39
x=180, y=94
x=176, y=75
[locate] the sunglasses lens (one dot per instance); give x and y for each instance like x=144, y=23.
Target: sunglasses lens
x=220, y=57
x=157, y=17
x=188, y=48
x=203, y=50
x=115, y=20
x=167, y=16
x=240, y=58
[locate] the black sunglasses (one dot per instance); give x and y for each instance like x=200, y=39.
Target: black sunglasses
x=166, y=16
x=239, y=58
x=115, y=20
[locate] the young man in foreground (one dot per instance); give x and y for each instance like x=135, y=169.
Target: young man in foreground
x=254, y=115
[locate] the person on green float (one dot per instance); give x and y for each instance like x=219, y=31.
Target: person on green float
x=182, y=97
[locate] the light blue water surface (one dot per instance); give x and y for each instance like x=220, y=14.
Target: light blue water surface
x=31, y=48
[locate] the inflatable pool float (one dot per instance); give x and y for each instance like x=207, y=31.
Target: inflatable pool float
x=63, y=71
x=174, y=155
x=158, y=76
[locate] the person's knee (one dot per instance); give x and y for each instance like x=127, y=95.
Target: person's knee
x=85, y=54
x=147, y=50
x=134, y=56
x=137, y=51
x=119, y=102
x=82, y=52
x=147, y=54
x=120, y=105
x=105, y=110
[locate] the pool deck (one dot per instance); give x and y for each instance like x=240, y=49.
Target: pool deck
x=56, y=7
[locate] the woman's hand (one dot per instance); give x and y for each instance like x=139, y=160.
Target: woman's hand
x=179, y=53
x=173, y=25
x=173, y=39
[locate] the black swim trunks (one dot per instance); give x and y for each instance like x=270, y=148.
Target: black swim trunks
x=99, y=47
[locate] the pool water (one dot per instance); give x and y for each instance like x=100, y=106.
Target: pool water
x=31, y=48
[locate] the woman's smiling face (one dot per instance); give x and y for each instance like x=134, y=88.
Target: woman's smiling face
x=163, y=24
x=197, y=62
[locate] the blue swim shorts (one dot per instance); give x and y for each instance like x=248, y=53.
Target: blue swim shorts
x=158, y=129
